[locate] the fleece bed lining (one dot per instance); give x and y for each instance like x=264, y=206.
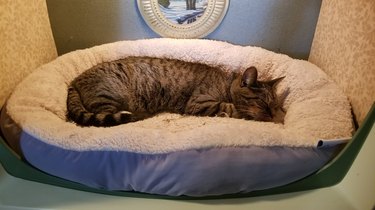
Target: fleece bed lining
x=315, y=109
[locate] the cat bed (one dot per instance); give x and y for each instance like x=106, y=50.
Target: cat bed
x=171, y=154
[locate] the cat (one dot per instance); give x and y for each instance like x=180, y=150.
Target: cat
x=136, y=88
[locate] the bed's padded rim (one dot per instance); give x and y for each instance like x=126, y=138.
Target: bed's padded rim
x=315, y=109
x=200, y=172
x=220, y=171
x=66, y=150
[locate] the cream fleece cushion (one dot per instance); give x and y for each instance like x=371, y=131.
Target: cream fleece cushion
x=316, y=107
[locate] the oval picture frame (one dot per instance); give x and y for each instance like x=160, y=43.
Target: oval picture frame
x=171, y=20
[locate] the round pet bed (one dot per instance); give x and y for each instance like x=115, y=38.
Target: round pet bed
x=171, y=154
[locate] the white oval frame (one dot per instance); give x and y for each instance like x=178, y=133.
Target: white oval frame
x=210, y=20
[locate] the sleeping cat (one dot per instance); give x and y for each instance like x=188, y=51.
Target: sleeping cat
x=136, y=88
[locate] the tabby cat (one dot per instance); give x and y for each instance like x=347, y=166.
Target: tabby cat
x=136, y=88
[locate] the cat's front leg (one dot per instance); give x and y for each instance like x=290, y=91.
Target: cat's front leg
x=202, y=105
x=206, y=105
x=227, y=110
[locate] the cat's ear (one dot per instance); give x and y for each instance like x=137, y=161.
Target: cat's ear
x=276, y=81
x=249, y=77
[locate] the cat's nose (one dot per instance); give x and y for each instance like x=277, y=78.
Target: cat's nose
x=269, y=112
x=266, y=116
x=278, y=115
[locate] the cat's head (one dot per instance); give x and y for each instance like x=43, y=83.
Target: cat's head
x=256, y=100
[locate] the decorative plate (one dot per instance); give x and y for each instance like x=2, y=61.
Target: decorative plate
x=183, y=18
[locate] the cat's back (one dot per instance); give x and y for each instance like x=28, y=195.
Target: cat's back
x=164, y=66
x=164, y=71
x=147, y=70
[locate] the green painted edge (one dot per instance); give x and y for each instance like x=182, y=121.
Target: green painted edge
x=330, y=175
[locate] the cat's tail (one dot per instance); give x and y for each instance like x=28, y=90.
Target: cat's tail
x=80, y=115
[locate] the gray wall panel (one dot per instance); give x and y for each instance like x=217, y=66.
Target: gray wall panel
x=285, y=26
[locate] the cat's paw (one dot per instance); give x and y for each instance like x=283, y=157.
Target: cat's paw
x=227, y=110
x=125, y=112
x=223, y=114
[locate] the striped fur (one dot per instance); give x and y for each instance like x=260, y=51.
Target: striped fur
x=136, y=88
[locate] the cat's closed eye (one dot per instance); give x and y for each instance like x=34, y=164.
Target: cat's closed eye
x=256, y=99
